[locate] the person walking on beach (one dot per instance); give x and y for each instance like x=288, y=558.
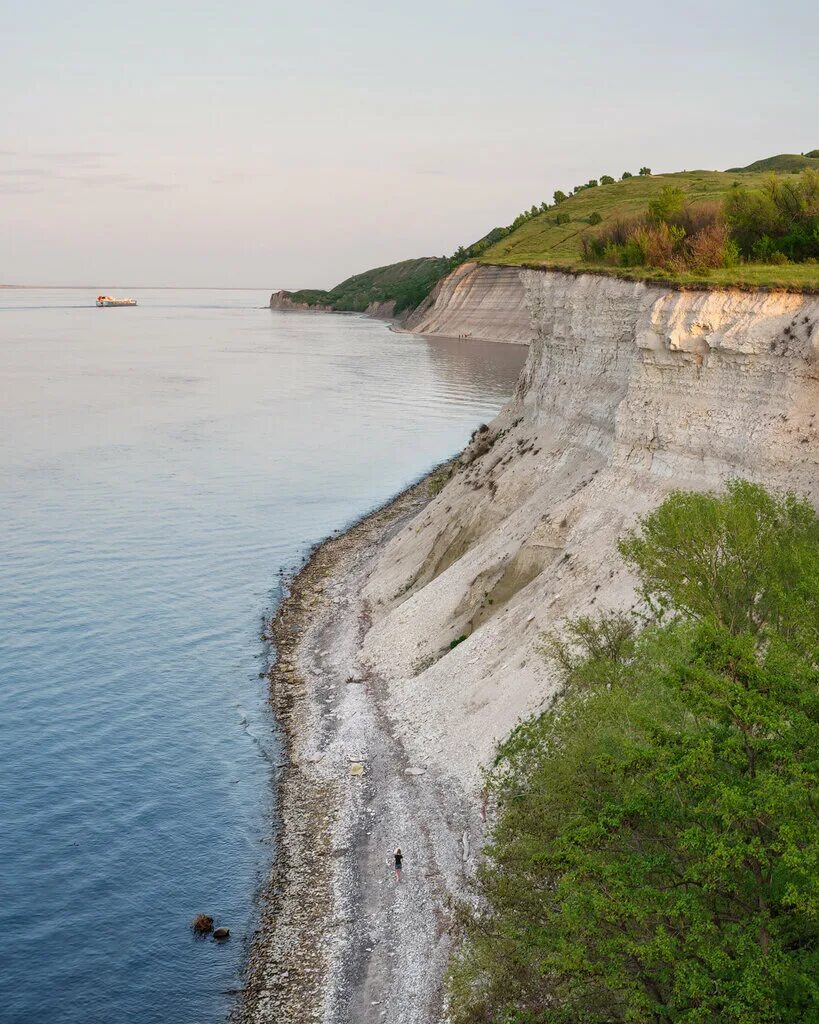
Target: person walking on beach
x=399, y=863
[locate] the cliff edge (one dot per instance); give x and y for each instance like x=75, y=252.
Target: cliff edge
x=629, y=391
x=410, y=644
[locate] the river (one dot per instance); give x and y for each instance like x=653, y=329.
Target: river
x=164, y=468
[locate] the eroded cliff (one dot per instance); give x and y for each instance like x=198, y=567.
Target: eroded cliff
x=479, y=302
x=629, y=391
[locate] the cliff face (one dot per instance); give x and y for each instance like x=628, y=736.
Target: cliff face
x=479, y=302
x=629, y=391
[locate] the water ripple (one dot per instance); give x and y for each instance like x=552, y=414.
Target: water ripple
x=159, y=468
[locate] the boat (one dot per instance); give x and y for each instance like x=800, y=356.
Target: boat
x=109, y=300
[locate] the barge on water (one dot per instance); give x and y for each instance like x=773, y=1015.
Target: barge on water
x=109, y=300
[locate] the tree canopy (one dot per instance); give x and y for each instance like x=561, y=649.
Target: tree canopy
x=655, y=855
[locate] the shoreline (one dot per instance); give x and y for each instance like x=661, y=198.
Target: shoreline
x=329, y=910
x=395, y=325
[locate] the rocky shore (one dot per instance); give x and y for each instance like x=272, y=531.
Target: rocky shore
x=340, y=939
x=411, y=645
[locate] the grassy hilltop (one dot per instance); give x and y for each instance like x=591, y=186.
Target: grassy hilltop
x=754, y=226
x=782, y=164
x=555, y=237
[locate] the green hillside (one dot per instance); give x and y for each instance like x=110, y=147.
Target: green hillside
x=784, y=163
x=554, y=238
x=406, y=283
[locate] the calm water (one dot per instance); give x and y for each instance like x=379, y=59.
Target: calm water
x=159, y=466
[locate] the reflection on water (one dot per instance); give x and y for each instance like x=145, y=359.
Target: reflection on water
x=160, y=465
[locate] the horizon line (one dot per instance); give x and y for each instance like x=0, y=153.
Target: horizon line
x=146, y=287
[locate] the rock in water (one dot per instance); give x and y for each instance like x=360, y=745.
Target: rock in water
x=221, y=933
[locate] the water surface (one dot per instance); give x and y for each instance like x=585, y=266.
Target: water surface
x=160, y=466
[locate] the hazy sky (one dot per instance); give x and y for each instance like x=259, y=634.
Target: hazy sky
x=288, y=144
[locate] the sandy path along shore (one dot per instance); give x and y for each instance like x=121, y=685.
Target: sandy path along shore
x=341, y=940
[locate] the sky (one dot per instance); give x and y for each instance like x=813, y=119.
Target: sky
x=283, y=145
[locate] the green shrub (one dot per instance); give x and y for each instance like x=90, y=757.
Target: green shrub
x=594, y=218
x=781, y=218
x=673, y=237
x=626, y=175
x=458, y=640
x=747, y=559
x=731, y=256
x=668, y=205
x=607, y=179
x=633, y=253
x=562, y=218
x=593, y=248
x=655, y=857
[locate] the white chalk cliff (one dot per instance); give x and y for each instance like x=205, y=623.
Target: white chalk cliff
x=479, y=302
x=630, y=390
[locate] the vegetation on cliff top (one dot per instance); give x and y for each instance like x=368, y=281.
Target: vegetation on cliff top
x=775, y=225
x=656, y=852
x=575, y=233
x=563, y=234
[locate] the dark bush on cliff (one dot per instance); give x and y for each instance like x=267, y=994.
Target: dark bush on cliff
x=671, y=237
x=781, y=217
x=773, y=224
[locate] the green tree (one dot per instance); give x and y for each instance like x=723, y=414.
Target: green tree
x=655, y=858
x=607, y=180
x=625, y=175
x=645, y=172
x=747, y=560
x=560, y=197
x=668, y=204
x=458, y=257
